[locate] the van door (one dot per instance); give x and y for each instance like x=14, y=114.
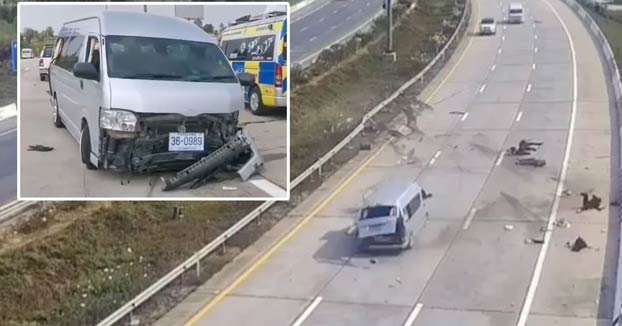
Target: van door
x=90, y=91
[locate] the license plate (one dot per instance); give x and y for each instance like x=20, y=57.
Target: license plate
x=186, y=141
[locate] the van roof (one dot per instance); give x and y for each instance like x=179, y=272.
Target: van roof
x=516, y=5
x=388, y=192
x=252, y=23
x=140, y=24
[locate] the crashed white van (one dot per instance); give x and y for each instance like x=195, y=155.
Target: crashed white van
x=392, y=214
x=142, y=92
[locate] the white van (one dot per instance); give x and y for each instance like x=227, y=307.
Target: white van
x=515, y=13
x=142, y=92
x=392, y=215
x=27, y=53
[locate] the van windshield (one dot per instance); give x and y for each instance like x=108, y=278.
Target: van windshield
x=377, y=211
x=134, y=57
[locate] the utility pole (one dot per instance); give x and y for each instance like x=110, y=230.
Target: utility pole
x=389, y=51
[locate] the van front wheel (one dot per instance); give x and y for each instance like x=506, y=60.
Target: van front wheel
x=255, y=102
x=85, y=147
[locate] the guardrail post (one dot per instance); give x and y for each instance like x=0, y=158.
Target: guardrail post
x=319, y=171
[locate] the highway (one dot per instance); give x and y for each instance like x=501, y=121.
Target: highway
x=474, y=263
x=8, y=160
x=325, y=22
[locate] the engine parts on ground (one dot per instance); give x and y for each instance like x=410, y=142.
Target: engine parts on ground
x=40, y=148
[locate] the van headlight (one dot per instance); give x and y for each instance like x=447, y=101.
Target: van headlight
x=117, y=120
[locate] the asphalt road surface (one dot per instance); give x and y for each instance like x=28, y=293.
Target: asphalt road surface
x=465, y=268
x=8, y=160
x=325, y=22
x=60, y=173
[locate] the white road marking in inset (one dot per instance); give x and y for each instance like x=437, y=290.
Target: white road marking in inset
x=528, y=88
x=304, y=28
x=322, y=19
x=268, y=187
x=413, y=315
x=467, y=222
x=533, y=66
x=348, y=18
x=436, y=155
x=8, y=111
x=333, y=27
x=503, y=38
x=500, y=159
x=536, y=36
x=519, y=116
x=533, y=25
x=535, y=50
x=481, y=90
x=505, y=27
x=307, y=312
x=8, y=132
x=464, y=116
x=533, y=285
x=313, y=39
x=493, y=67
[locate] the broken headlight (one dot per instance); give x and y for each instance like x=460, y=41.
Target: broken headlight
x=117, y=120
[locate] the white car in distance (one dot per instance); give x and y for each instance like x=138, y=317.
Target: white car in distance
x=487, y=26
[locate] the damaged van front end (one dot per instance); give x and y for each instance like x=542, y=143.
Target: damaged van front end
x=151, y=142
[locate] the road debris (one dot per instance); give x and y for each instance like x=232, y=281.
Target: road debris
x=561, y=223
x=509, y=227
x=365, y=147
x=578, y=245
x=531, y=161
x=404, y=131
x=458, y=112
x=590, y=203
x=566, y=193
x=40, y=148
x=425, y=194
x=371, y=260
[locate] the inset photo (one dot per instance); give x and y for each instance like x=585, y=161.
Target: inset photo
x=153, y=101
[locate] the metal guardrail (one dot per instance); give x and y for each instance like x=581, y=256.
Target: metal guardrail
x=616, y=85
x=13, y=208
x=195, y=260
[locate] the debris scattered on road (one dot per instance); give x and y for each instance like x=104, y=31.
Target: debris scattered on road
x=578, y=245
x=373, y=261
x=561, y=223
x=591, y=203
x=40, y=148
x=458, y=112
x=178, y=212
x=566, y=193
x=531, y=161
x=534, y=241
x=509, y=227
x=404, y=131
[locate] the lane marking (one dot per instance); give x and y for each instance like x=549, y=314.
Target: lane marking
x=536, y=36
x=333, y=27
x=348, y=18
x=413, y=314
x=251, y=270
x=8, y=111
x=500, y=159
x=503, y=38
x=464, y=116
x=335, y=12
x=533, y=26
x=535, y=50
x=505, y=27
x=307, y=312
x=469, y=218
x=528, y=88
x=436, y=155
x=500, y=50
x=481, y=89
x=533, y=285
x=268, y=187
x=519, y=116
x=8, y=132
x=533, y=66
x=322, y=19
x=493, y=67
x=304, y=29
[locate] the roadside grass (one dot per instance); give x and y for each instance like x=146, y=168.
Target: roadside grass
x=326, y=111
x=611, y=25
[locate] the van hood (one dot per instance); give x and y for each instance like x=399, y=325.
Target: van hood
x=165, y=96
x=377, y=226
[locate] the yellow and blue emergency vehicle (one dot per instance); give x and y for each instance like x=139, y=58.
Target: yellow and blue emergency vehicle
x=258, y=45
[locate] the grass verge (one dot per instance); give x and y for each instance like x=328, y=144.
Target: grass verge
x=611, y=25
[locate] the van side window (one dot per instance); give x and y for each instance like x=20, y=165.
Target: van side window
x=69, y=55
x=414, y=204
x=260, y=48
x=285, y=49
x=92, y=52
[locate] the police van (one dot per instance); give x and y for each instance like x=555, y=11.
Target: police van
x=258, y=45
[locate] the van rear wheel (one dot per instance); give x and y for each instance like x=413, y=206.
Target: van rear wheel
x=85, y=147
x=255, y=102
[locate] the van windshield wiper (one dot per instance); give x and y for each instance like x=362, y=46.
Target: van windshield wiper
x=211, y=78
x=153, y=76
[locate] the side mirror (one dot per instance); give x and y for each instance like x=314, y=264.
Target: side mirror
x=246, y=79
x=85, y=70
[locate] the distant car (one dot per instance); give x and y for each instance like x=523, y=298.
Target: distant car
x=27, y=53
x=44, y=61
x=487, y=26
x=515, y=13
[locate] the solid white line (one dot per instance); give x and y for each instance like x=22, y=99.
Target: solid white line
x=467, y=222
x=500, y=159
x=8, y=132
x=519, y=116
x=531, y=292
x=481, y=90
x=528, y=88
x=413, y=315
x=464, y=116
x=307, y=312
x=493, y=67
x=268, y=187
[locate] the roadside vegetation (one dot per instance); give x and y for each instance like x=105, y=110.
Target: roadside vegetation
x=8, y=33
x=75, y=263
x=610, y=22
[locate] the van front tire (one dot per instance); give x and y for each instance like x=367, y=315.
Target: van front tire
x=85, y=147
x=56, y=120
x=255, y=102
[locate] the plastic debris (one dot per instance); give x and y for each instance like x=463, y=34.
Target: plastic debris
x=578, y=245
x=40, y=148
x=561, y=223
